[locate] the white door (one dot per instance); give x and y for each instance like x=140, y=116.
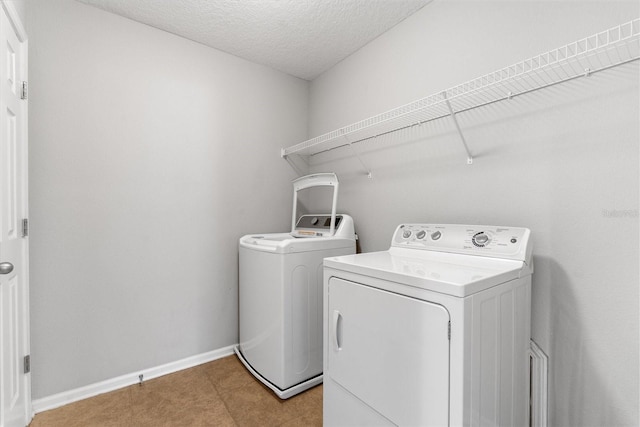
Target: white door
x=15, y=399
x=389, y=351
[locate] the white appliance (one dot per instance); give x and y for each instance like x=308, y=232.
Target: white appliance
x=434, y=331
x=280, y=294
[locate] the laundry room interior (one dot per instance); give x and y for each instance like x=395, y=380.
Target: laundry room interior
x=150, y=155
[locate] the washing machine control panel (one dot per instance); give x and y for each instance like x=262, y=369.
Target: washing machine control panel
x=503, y=242
x=318, y=225
x=317, y=221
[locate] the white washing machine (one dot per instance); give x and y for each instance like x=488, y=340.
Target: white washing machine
x=280, y=294
x=434, y=331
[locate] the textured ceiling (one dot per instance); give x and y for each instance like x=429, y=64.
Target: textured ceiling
x=299, y=37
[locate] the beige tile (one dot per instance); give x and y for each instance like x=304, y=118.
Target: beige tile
x=227, y=373
x=109, y=409
x=256, y=405
x=308, y=407
x=185, y=398
x=313, y=394
x=312, y=419
x=220, y=393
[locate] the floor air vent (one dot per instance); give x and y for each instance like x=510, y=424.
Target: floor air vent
x=538, y=393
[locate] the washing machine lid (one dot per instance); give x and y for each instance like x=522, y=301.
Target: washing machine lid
x=315, y=180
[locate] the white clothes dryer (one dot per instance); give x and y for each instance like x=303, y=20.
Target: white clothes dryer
x=280, y=294
x=434, y=331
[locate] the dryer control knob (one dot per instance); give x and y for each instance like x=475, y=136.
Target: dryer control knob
x=421, y=234
x=406, y=234
x=436, y=235
x=480, y=239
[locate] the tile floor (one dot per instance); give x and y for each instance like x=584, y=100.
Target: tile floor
x=218, y=393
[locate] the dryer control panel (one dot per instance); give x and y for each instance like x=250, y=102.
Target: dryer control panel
x=492, y=241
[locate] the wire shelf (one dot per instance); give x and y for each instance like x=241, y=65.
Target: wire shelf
x=601, y=51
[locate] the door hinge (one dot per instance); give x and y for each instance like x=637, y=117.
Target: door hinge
x=24, y=92
x=449, y=331
x=25, y=227
x=27, y=364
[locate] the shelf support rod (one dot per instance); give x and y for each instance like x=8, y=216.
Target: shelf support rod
x=455, y=122
x=366, y=169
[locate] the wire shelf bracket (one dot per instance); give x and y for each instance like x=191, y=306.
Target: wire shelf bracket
x=355, y=151
x=457, y=125
x=583, y=58
x=300, y=171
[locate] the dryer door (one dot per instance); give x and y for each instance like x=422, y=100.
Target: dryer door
x=390, y=351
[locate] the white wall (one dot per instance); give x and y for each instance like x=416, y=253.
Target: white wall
x=559, y=161
x=150, y=155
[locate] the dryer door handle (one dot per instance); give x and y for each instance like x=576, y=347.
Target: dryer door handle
x=337, y=330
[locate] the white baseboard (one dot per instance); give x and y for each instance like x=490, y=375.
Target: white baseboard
x=66, y=397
